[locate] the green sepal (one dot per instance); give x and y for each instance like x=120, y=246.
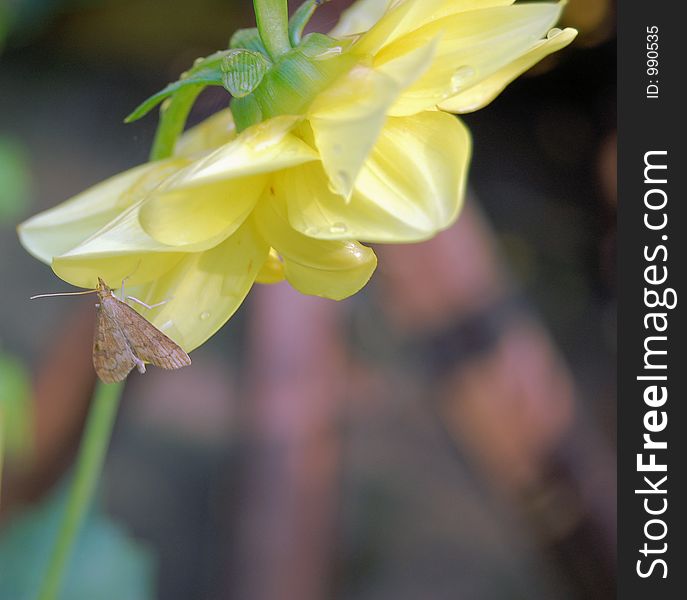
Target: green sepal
x=246, y=112
x=205, y=71
x=242, y=71
x=173, y=115
x=299, y=75
x=301, y=18
x=248, y=39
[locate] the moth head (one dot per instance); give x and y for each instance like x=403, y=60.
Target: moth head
x=103, y=287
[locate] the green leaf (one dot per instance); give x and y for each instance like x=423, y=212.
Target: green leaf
x=173, y=117
x=242, y=71
x=106, y=564
x=248, y=39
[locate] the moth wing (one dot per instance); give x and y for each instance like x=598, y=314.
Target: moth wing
x=112, y=355
x=148, y=342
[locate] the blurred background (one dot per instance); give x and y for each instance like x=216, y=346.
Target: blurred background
x=447, y=433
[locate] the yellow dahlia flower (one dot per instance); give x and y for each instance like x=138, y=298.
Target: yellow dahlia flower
x=341, y=139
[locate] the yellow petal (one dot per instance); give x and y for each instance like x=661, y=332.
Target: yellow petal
x=410, y=187
x=345, y=121
x=56, y=231
x=347, y=117
x=213, y=132
x=359, y=17
x=403, y=17
x=485, y=91
x=134, y=268
x=201, y=216
x=210, y=199
x=265, y=147
x=273, y=269
x=206, y=288
x=472, y=46
x=332, y=269
x=119, y=250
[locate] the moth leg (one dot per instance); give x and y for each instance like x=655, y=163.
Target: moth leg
x=121, y=296
x=148, y=306
x=140, y=365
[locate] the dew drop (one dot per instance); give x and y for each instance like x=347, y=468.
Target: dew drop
x=461, y=77
x=338, y=228
x=553, y=33
x=343, y=180
x=312, y=231
x=205, y=315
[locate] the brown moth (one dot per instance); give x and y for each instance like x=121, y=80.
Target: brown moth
x=124, y=339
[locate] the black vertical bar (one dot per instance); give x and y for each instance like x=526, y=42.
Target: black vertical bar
x=651, y=129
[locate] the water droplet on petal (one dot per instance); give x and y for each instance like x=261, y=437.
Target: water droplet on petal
x=461, y=77
x=205, y=315
x=553, y=33
x=312, y=231
x=166, y=325
x=338, y=228
x=343, y=180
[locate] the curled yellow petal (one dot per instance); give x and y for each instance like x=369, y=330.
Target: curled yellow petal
x=347, y=118
x=210, y=199
x=203, y=215
x=328, y=268
x=405, y=16
x=345, y=121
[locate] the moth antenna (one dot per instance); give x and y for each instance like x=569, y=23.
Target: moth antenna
x=63, y=294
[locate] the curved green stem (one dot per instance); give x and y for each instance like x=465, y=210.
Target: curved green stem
x=94, y=444
x=272, y=18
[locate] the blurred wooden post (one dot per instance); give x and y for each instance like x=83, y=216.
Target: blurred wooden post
x=288, y=509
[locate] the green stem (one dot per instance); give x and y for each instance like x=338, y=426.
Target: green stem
x=96, y=439
x=2, y=450
x=272, y=18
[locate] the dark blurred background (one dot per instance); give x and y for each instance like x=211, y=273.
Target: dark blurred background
x=449, y=432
